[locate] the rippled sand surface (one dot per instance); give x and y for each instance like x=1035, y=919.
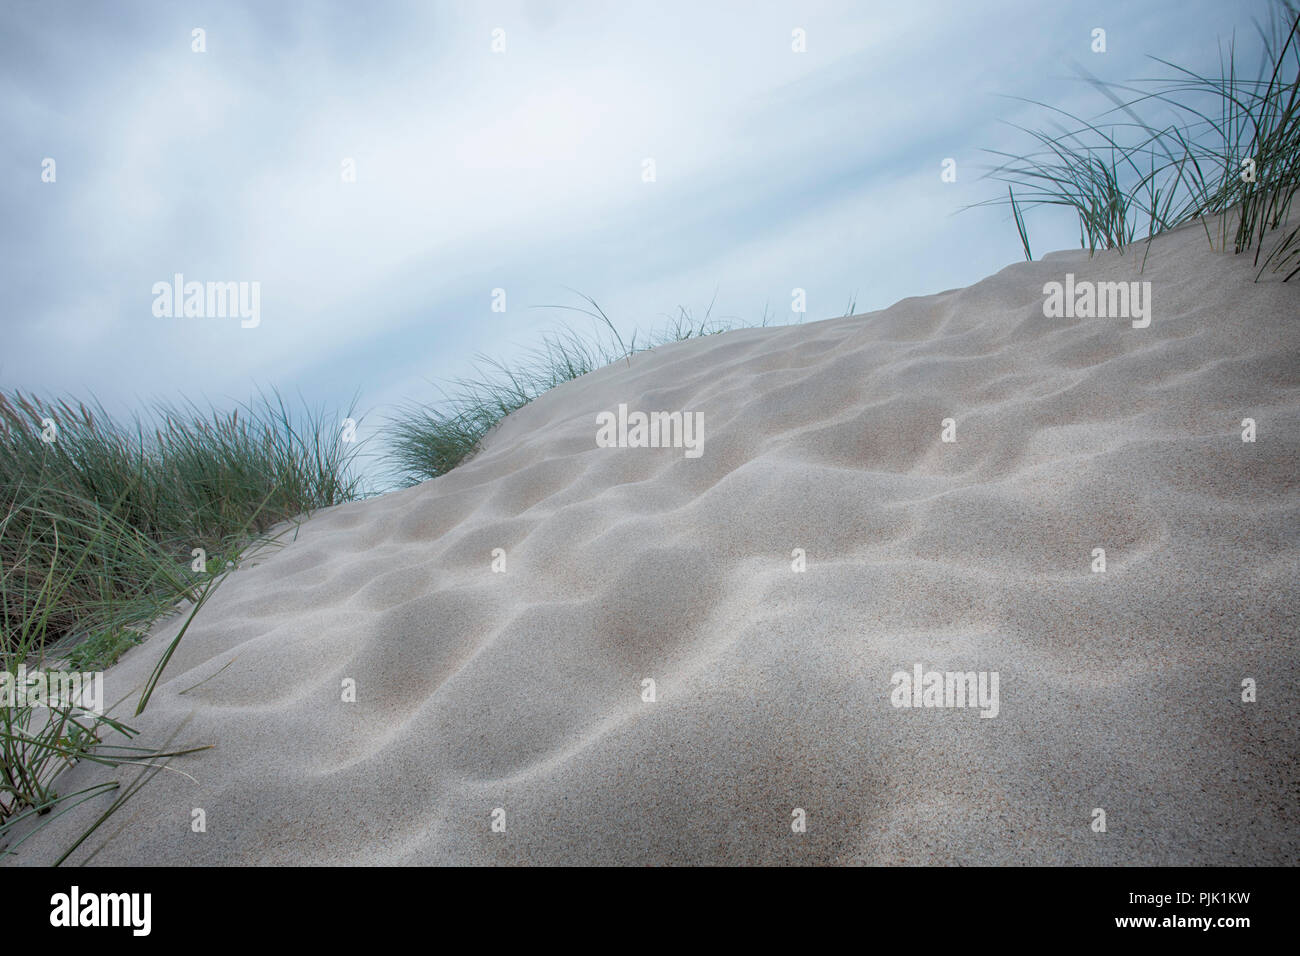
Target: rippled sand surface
x=523, y=689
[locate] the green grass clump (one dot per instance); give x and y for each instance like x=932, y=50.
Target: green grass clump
x=101, y=650
x=109, y=514
x=1229, y=148
x=430, y=440
x=99, y=524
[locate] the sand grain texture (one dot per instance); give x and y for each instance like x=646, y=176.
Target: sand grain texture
x=521, y=689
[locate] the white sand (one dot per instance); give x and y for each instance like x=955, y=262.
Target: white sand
x=522, y=690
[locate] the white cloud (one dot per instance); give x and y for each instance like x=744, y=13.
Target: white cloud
x=478, y=170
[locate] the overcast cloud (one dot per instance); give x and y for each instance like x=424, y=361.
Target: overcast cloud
x=519, y=170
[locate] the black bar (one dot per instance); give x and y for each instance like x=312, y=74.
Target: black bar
x=958, y=906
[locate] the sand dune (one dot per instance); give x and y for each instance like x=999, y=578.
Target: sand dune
x=522, y=690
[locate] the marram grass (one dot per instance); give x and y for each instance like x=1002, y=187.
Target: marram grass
x=1227, y=150
x=99, y=525
x=426, y=441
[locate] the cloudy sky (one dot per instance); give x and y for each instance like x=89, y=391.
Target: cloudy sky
x=520, y=170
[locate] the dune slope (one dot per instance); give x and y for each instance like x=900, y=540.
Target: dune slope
x=522, y=689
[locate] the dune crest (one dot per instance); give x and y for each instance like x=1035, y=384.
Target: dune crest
x=524, y=689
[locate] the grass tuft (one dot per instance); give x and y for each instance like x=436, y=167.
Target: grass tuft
x=431, y=440
x=1228, y=147
x=100, y=522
